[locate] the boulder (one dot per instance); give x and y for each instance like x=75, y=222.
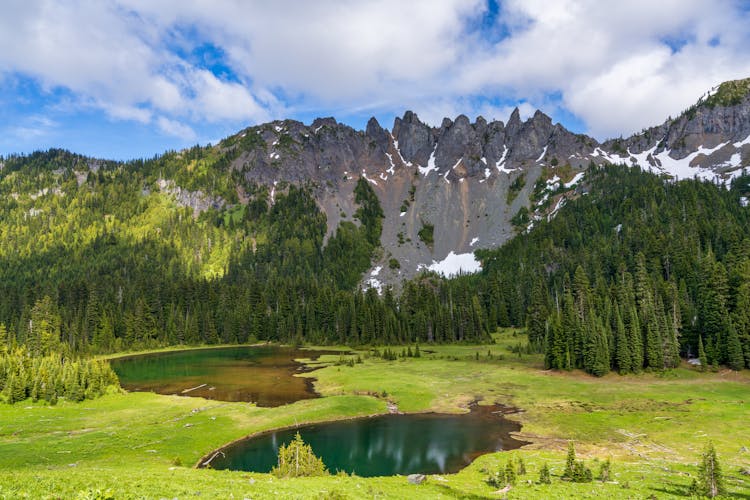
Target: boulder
x=416, y=478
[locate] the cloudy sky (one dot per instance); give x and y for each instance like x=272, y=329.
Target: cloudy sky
x=132, y=78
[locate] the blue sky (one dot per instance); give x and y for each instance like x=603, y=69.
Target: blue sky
x=132, y=78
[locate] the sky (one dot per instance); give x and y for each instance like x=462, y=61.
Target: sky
x=125, y=79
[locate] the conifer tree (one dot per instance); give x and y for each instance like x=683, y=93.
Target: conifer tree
x=521, y=466
x=711, y=479
x=702, y=354
x=3, y=339
x=570, y=461
x=605, y=470
x=510, y=473
x=537, y=316
x=623, y=356
x=544, y=475
x=735, y=358
x=635, y=341
x=297, y=459
x=557, y=346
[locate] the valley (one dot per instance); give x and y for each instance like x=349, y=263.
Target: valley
x=652, y=426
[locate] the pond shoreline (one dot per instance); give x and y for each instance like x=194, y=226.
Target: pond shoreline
x=474, y=407
x=268, y=375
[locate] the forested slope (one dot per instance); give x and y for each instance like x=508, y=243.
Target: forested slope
x=114, y=262
x=634, y=272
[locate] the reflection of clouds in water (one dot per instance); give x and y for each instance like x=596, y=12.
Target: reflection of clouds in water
x=437, y=454
x=428, y=444
x=399, y=457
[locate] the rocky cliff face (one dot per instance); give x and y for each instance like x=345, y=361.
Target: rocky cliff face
x=468, y=180
x=711, y=139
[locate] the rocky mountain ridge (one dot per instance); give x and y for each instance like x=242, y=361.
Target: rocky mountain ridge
x=445, y=191
x=449, y=190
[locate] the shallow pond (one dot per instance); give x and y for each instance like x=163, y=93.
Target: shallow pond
x=428, y=443
x=261, y=374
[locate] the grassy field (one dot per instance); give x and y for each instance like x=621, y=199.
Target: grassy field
x=138, y=445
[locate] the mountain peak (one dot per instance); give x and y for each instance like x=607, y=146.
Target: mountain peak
x=729, y=93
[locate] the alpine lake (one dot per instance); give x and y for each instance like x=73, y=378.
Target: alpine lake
x=383, y=445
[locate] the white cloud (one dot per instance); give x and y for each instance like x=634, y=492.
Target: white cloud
x=175, y=128
x=217, y=100
x=31, y=128
x=608, y=63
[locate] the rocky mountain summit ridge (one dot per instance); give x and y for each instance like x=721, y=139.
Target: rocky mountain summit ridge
x=449, y=190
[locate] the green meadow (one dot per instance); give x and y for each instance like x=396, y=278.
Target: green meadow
x=652, y=426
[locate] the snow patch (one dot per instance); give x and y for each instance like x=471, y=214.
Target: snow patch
x=274, y=156
x=487, y=173
x=376, y=284
x=553, y=183
x=383, y=176
x=615, y=160
x=392, y=169
x=278, y=129
x=395, y=145
x=430, y=164
x=500, y=165
x=575, y=180
x=541, y=156
x=402, y=214
x=744, y=201
x=681, y=168
x=483, y=160
x=371, y=181
x=445, y=177
x=376, y=271
x=474, y=241
x=560, y=203
x=642, y=158
x=454, y=264
x=734, y=161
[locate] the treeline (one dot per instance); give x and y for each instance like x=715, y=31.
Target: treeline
x=53, y=376
x=635, y=274
x=104, y=262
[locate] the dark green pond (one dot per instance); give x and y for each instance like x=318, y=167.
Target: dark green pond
x=385, y=445
x=261, y=374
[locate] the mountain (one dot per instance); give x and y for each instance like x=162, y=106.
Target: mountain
x=709, y=140
x=445, y=191
x=461, y=185
x=270, y=234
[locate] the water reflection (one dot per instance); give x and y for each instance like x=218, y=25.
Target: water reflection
x=386, y=445
x=259, y=374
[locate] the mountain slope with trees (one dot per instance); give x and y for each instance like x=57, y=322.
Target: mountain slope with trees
x=270, y=234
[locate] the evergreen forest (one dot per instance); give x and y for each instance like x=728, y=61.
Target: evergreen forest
x=633, y=273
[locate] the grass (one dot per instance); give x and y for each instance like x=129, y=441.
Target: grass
x=142, y=445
